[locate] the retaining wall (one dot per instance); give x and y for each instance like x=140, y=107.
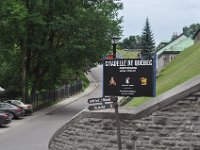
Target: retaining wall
x=170, y=121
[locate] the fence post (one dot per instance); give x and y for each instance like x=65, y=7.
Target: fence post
x=68, y=90
x=81, y=85
x=76, y=85
x=54, y=95
x=37, y=100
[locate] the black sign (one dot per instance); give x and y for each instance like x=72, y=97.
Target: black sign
x=128, y=77
x=99, y=100
x=101, y=106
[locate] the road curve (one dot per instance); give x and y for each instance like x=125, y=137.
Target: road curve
x=34, y=132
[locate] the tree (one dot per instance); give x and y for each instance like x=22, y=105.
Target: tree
x=148, y=43
x=191, y=30
x=132, y=42
x=52, y=37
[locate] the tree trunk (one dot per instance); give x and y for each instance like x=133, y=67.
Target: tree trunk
x=26, y=56
x=24, y=76
x=39, y=74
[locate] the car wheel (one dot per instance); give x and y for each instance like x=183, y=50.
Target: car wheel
x=11, y=115
x=14, y=116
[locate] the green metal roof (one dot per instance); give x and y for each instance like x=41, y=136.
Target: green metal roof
x=179, y=44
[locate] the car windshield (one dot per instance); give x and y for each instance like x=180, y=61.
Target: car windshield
x=9, y=106
x=4, y=105
x=16, y=102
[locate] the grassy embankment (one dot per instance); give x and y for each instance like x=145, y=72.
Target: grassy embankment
x=183, y=68
x=128, y=54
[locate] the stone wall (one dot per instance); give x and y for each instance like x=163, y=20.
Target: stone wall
x=157, y=125
x=176, y=127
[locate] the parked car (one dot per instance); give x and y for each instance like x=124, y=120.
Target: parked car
x=106, y=58
x=15, y=110
x=28, y=109
x=8, y=113
x=4, y=118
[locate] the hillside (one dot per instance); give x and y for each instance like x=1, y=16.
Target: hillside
x=184, y=67
x=128, y=54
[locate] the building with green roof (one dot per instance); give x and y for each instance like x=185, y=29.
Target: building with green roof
x=172, y=49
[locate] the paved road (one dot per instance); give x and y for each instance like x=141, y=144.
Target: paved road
x=34, y=132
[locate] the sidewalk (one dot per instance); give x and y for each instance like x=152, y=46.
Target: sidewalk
x=92, y=86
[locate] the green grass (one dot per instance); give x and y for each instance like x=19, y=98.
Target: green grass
x=184, y=67
x=128, y=54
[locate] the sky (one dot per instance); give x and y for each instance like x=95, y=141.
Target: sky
x=165, y=17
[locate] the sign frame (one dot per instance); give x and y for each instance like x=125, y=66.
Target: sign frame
x=129, y=77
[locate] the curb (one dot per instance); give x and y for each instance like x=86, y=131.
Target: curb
x=125, y=100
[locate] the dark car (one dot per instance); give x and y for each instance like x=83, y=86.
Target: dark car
x=106, y=58
x=4, y=118
x=8, y=113
x=28, y=109
x=15, y=110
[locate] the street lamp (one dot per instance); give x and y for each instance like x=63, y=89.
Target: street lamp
x=114, y=43
x=114, y=99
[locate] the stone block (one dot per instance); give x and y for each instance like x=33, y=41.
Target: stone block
x=141, y=127
x=130, y=145
x=195, y=145
x=156, y=141
x=169, y=143
x=160, y=120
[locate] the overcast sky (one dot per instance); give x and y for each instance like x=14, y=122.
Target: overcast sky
x=165, y=16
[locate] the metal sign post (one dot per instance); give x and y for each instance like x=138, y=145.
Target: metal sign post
x=106, y=103
x=115, y=103
x=115, y=100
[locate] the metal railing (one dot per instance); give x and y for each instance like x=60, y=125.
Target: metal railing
x=50, y=97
